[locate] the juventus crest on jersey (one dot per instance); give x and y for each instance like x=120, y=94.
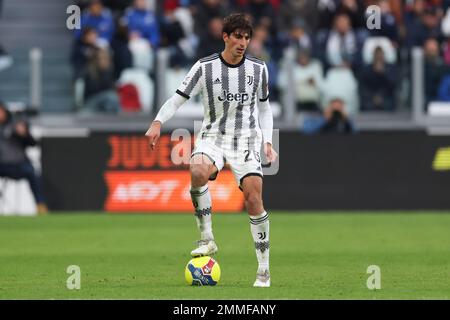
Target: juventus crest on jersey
x=230, y=94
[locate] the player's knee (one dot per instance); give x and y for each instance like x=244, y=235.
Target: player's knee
x=253, y=200
x=199, y=175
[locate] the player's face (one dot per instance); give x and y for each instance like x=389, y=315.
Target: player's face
x=236, y=43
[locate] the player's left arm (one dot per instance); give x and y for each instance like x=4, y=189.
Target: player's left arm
x=266, y=117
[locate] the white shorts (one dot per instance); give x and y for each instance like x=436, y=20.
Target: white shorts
x=243, y=163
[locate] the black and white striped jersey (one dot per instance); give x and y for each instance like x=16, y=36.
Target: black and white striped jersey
x=229, y=94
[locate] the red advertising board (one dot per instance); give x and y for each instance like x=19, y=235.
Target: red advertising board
x=167, y=191
x=140, y=180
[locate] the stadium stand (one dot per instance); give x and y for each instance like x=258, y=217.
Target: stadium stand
x=167, y=36
x=25, y=25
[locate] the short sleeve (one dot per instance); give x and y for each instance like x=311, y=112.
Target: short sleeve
x=191, y=84
x=263, y=93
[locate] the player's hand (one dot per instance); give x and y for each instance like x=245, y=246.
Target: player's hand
x=153, y=134
x=271, y=154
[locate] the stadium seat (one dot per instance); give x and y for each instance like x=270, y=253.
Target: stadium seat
x=144, y=85
x=142, y=53
x=129, y=97
x=341, y=83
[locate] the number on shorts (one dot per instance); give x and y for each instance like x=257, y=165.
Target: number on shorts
x=247, y=154
x=258, y=158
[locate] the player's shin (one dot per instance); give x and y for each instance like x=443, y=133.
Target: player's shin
x=259, y=226
x=201, y=199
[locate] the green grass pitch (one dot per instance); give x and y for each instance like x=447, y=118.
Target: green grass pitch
x=313, y=256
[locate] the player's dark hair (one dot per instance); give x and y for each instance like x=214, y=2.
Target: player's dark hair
x=237, y=21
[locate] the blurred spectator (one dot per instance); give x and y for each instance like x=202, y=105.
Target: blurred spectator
x=298, y=36
x=142, y=23
x=262, y=13
x=177, y=34
x=205, y=11
x=261, y=48
x=307, y=77
x=413, y=14
x=396, y=7
x=122, y=57
x=377, y=84
x=422, y=23
x=99, y=85
x=297, y=10
x=334, y=119
x=99, y=18
x=327, y=10
x=212, y=41
x=189, y=42
x=144, y=35
x=117, y=6
x=83, y=49
x=434, y=69
x=257, y=46
x=341, y=43
x=389, y=25
x=15, y=137
x=355, y=10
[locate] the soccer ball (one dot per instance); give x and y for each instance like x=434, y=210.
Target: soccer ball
x=202, y=271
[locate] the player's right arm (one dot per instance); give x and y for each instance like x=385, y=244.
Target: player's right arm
x=165, y=113
x=189, y=87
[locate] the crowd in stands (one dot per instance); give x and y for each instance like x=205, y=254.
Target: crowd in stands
x=338, y=59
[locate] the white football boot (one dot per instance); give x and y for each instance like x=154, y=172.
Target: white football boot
x=205, y=248
x=262, y=279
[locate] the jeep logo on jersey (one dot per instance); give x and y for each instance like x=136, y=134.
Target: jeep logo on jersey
x=228, y=96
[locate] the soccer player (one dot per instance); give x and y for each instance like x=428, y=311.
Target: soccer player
x=237, y=120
